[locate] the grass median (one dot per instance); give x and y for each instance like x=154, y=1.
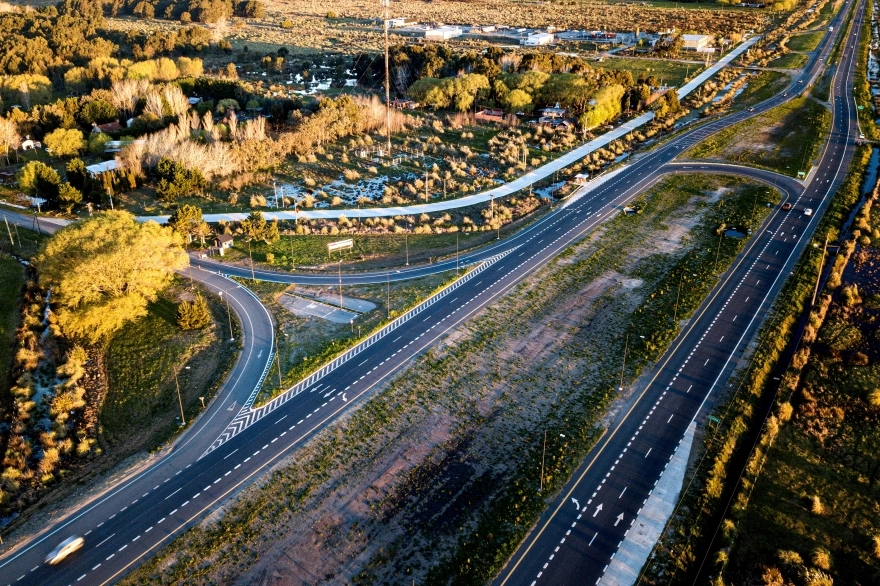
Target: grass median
x=786, y=139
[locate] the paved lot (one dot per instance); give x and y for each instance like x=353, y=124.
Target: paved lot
x=312, y=308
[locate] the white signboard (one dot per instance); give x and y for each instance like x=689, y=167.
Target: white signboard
x=342, y=244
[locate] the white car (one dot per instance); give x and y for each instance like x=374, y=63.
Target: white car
x=808, y=212
x=64, y=549
x=862, y=135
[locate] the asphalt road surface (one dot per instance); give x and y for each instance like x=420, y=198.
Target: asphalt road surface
x=135, y=518
x=574, y=545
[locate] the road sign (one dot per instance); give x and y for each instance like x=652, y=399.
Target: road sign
x=861, y=107
x=339, y=245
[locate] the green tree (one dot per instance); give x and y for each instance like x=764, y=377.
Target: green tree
x=431, y=91
x=176, y=181
x=187, y=221
x=193, y=315
x=98, y=142
x=76, y=173
x=517, y=100
x=255, y=227
x=40, y=180
x=98, y=112
x=68, y=196
x=105, y=269
x=65, y=142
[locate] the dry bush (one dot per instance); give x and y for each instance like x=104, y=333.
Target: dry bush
x=817, y=508
x=821, y=558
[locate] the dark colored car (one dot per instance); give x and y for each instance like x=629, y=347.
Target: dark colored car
x=786, y=206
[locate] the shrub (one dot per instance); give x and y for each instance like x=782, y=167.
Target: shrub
x=287, y=23
x=772, y=577
x=821, y=558
x=193, y=315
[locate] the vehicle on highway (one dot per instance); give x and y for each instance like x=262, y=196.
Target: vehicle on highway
x=751, y=109
x=862, y=135
x=808, y=212
x=830, y=29
x=786, y=206
x=64, y=549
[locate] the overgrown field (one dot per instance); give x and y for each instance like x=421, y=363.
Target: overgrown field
x=806, y=42
x=813, y=510
x=786, y=139
x=11, y=282
x=436, y=477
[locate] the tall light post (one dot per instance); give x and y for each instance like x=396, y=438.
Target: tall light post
x=623, y=366
x=819, y=275
x=251, y=255
x=228, y=315
x=180, y=397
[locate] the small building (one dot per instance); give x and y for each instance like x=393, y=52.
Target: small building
x=101, y=168
x=537, y=40
x=553, y=112
x=114, y=126
x=223, y=242
x=404, y=104
x=443, y=33
x=490, y=115
x=581, y=179
x=695, y=42
x=28, y=145
x=399, y=22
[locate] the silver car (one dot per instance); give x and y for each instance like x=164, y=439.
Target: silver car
x=64, y=549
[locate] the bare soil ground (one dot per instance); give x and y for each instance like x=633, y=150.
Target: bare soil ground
x=388, y=491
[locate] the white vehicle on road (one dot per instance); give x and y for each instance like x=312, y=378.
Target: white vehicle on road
x=808, y=212
x=64, y=549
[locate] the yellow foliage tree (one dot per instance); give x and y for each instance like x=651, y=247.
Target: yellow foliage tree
x=104, y=270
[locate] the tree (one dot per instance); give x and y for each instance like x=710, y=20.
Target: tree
x=76, y=173
x=517, y=100
x=40, y=180
x=193, y=315
x=65, y=142
x=250, y=9
x=9, y=137
x=105, y=269
x=98, y=142
x=68, y=196
x=255, y=227
x=177, y=181
x=187, y=221
x=98, y=112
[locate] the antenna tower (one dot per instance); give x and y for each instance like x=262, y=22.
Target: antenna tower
x=386, y=4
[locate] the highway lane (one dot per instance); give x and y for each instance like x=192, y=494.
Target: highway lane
x=575, y=546
x=128, y=510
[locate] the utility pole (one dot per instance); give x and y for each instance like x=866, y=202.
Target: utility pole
x=386, y=4
x=677, y=296
x=250, y=254
x=278, y=358
x=9, y=231
x=229, y=316
x=406, y=243
x=340, y=282
x=387, y=295
x=456, y=253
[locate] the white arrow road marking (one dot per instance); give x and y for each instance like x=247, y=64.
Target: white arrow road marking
x=259, y=354
x=576, y=503
x=619, y=519
x=330, y=392
x=599, y=508
x=343, y=398
x=231, y=407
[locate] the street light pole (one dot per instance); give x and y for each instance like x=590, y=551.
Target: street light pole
x=623, y=367
x=677, y=296
x=179, y=399
x=250, y=254
x=543, y=453
x=717, y=252
x=387, y=295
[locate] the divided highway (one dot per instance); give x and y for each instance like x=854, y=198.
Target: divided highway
x=131, y=522
x=575, y=544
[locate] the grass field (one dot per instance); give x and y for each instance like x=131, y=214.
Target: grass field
x=806, y=42
x=670, y=72
x=789, y=61
x=141, y=408
x=785, y=139
x=11, y=282
x=763, y=86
